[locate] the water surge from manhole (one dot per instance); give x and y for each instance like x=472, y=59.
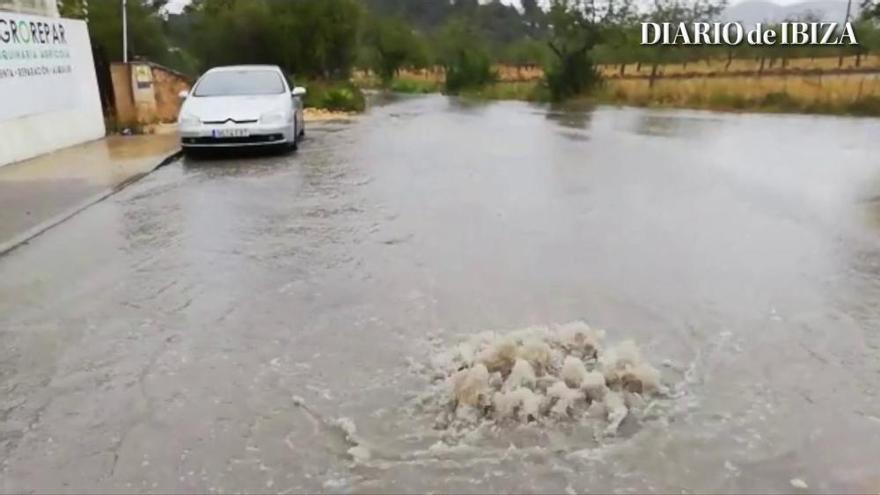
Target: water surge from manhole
x=541, y=378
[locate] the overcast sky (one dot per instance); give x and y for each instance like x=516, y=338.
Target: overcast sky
x=177, y=5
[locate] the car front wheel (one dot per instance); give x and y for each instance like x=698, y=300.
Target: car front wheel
x=293, y=145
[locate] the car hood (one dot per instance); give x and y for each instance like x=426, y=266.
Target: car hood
x=239, y=108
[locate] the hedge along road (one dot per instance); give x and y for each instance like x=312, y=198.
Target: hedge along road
x=222, y=324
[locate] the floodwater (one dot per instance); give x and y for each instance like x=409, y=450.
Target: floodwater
x=222, y=324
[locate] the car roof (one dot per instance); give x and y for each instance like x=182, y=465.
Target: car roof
x=230, y=68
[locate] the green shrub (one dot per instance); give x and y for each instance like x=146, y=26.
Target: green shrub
x=779, y=100
x=868, y=105
x=820, y=106
x=465, y=57
x=508, y=90
x=573, y=75
x=341, y=96
x=468, y=70
x=727, y=101
x=696, y=100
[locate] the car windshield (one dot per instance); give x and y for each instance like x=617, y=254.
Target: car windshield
x=240, y=82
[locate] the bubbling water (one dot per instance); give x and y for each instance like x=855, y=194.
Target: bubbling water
x=542, y=375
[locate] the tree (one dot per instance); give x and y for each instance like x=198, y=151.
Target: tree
x=393, y=45
x=73, y=9
x=868, y=34
x=621, y=46
x=314, y=38
x=675, y=12
x=327, y=33
x=235, y=32
x=145, y=36
x=534, y=18
x=576, y=27
x=499, y=22
x=525, y=52
x=465, y=56
x=871, y=9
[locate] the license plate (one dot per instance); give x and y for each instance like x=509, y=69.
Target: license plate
x=230, y=133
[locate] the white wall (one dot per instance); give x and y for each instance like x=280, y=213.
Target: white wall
x=38, y=7
x=66, y=109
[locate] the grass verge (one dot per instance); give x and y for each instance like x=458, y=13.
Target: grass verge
x=831, y=95
x=337, y=96
x=856, y=94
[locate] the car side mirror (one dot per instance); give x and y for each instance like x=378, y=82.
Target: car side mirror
x=183, y=94
x=298, y=91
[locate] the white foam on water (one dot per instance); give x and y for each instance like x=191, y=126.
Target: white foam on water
x=542, y=376
x=360, y=453
x=565, y=398
x=521, y=402
x=799, y=483
x=521, y=375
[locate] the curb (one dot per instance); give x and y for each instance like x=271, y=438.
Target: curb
x=28, y=235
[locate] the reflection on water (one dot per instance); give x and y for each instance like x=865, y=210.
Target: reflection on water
x=571, y=115
x=669, y=124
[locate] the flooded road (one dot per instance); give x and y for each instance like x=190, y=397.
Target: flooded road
x=237, y=324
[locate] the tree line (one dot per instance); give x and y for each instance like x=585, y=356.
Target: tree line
x=328, y=39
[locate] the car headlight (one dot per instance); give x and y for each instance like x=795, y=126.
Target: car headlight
x=273, y=118
x=187, y=120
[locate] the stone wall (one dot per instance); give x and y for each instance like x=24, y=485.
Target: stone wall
x=167, y=86
x=123, y=100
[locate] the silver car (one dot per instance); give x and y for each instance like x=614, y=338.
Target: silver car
x=240, y=106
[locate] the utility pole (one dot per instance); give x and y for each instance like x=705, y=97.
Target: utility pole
x=848, y=7
x=125, y=31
